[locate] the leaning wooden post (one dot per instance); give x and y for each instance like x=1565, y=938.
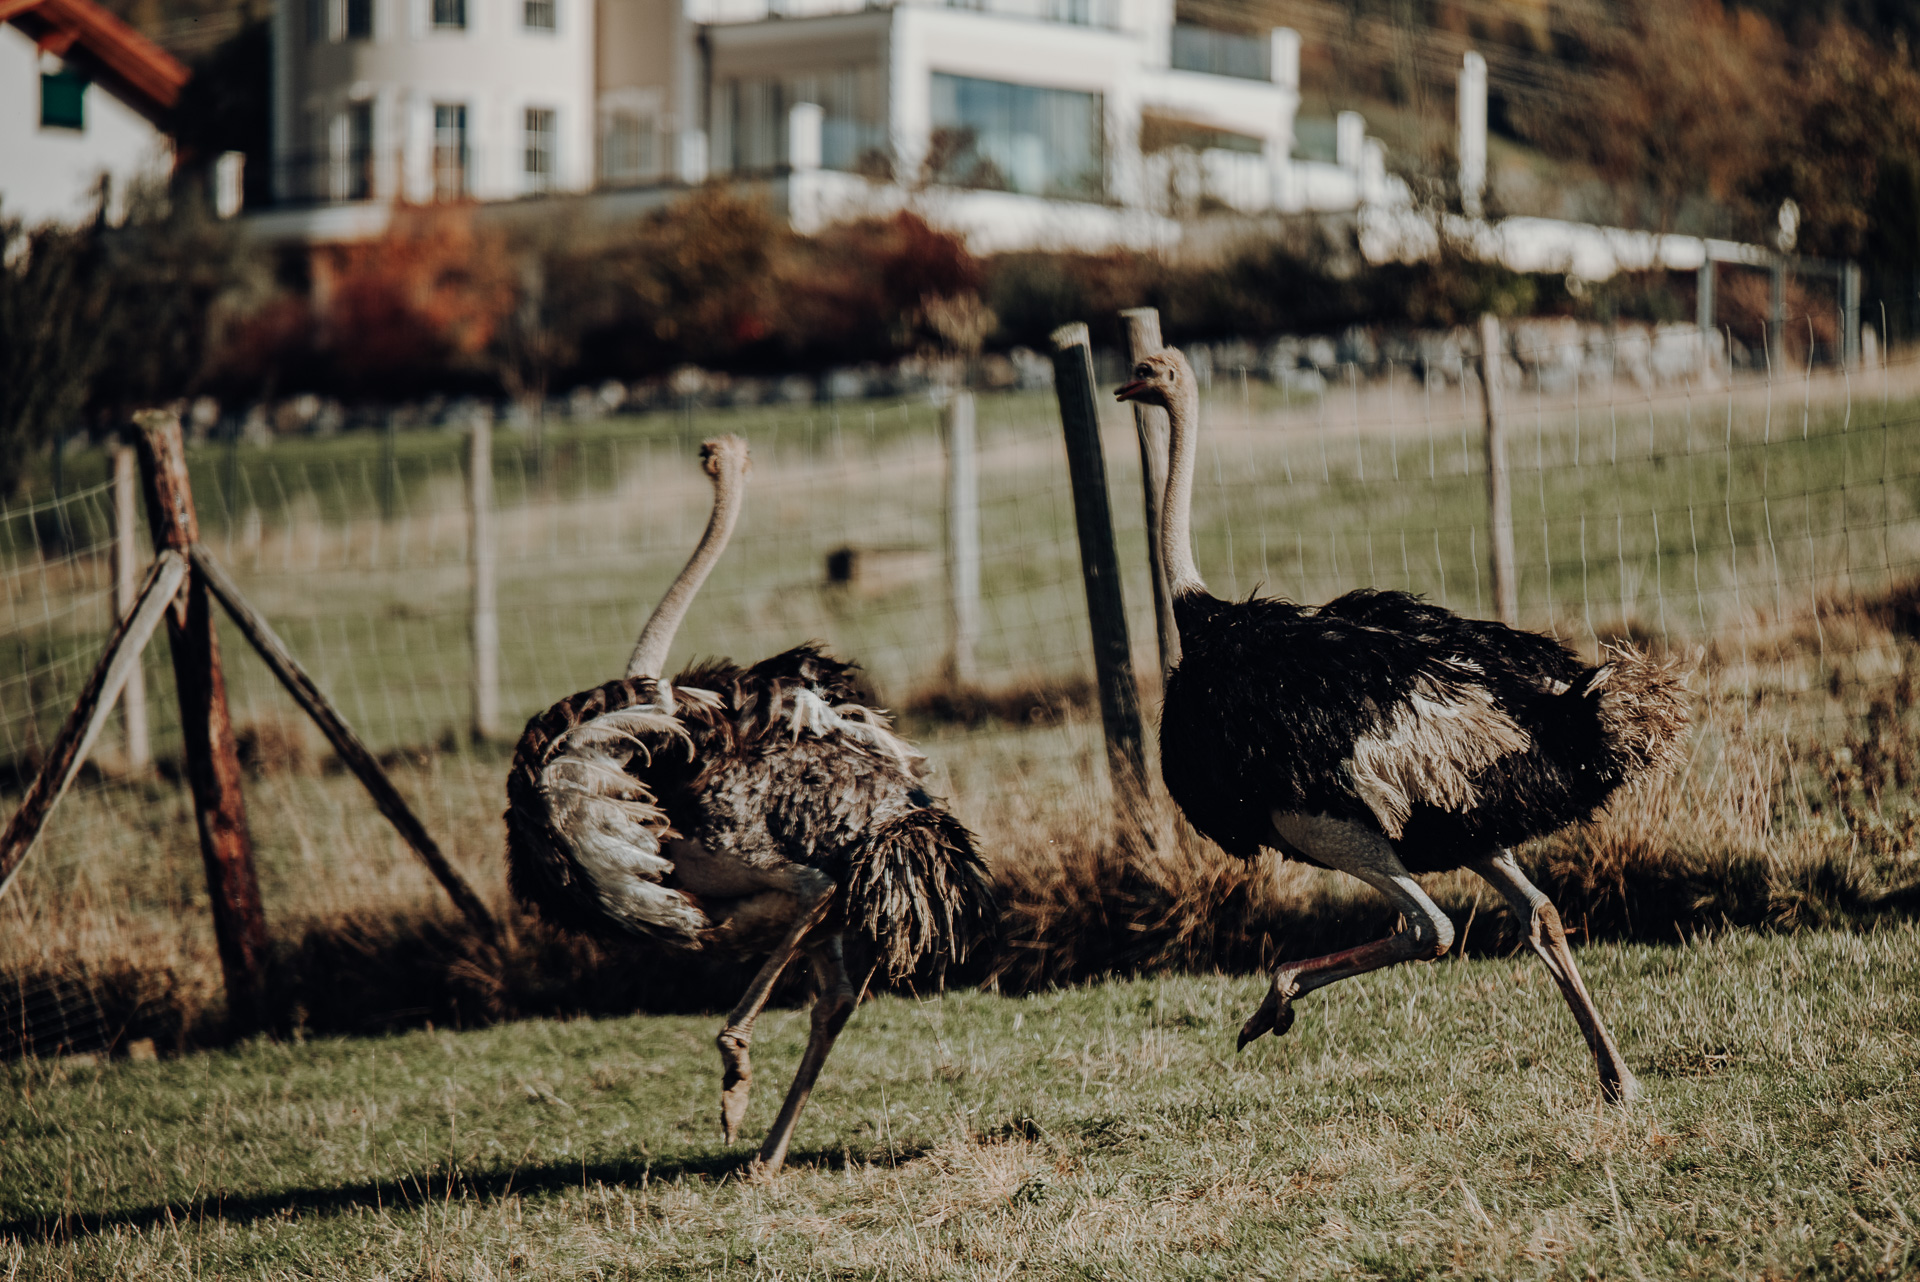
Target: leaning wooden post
x=254, y=627
x=1150, y=421
x=117, y=663
x=126, y=574
x=481, y=564
x=963, y=534
x=206, y=728
x=1506, y=592
x=1099, y=562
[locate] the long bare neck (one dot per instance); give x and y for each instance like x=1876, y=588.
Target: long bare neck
x=650, y=652
x=1176, y=542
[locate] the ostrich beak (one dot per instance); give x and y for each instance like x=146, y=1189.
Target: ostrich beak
x=1131, y=391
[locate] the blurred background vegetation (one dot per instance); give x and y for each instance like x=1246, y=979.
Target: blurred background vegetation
x=1696, y=117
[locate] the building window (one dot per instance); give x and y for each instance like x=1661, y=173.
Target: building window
x=450, y=15
x=357, y=179
x=1220, y=53
x=750, y=120
x=449, y=151
x=630, y=148
x=359, y=19
x=539, y=15
x=538, y=174
x=63, y=100
x=1007, y=137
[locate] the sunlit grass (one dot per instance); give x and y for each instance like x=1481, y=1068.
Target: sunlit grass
x=1431, y=1119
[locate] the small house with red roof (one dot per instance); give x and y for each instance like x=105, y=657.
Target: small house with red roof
x=83, y=97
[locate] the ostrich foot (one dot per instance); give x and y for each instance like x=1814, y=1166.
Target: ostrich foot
x=736, y=1081
x=1621, y=1090
x=1274, y=1016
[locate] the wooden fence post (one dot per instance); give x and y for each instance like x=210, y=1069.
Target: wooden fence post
x=481, y=564
x=212, y=763
x=126, y=570
x=1150, y=421
x=1099, y=562
x=1506, y=592
x=963, y=534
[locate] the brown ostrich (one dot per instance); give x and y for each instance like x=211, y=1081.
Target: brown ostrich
x=742, y=813
x=1383, y=736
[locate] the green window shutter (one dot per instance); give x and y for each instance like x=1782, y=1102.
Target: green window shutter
x=63, y=100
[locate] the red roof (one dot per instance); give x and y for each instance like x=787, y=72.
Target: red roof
x=143, y=73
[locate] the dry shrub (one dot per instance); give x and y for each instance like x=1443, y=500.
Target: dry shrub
x=1795, y=808
x=1034, y=701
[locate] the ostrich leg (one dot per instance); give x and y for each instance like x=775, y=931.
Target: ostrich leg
x=814, y=891
x=1365, y=854
x=1549, y=940
x=832, y=1006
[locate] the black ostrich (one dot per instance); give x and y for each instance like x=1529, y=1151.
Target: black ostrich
x=1384, y=737
x=742, y=812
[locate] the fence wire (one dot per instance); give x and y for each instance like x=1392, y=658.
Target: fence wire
x=1741, y=520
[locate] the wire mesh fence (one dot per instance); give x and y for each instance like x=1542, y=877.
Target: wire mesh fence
x=1763, y=526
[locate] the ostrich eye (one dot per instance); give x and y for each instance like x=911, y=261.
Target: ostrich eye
x=1143, y=370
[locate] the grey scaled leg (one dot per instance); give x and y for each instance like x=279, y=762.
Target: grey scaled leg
x=1364, y=853
x=813, y=890
x=1549, y=940
x=832, y=1006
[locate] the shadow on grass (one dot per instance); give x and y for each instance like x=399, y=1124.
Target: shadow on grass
x=408, y=1192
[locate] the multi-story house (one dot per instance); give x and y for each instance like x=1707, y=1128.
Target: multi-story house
x=1020, y=122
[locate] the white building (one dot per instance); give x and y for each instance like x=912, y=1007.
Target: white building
x=418, y=100
x=80, y=95
x=1077, y=123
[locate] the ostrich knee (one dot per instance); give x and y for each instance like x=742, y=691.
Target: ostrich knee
x=736, y=1079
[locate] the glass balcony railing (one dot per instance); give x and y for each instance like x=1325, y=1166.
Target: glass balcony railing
x=1221, y=53
x=1079, y=13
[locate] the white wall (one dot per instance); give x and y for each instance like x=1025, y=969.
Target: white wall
x=50, y=174
x=496, y=68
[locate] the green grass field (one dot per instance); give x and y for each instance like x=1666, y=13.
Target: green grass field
x=1429, y=1121
x=1433, y=1120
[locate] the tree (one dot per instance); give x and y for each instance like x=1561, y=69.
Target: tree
x=168, y=270
x=53, y=304
x=415, y=308
x=1675, y=101
x=1848, y=160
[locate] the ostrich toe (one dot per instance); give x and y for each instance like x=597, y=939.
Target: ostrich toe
x=1274, y=1016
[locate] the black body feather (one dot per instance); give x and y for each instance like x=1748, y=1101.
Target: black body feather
x=1264, y=711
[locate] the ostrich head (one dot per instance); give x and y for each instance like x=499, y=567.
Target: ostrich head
x=726, y=460
x=1159, y=379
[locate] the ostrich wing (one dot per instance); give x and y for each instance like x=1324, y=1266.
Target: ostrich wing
x=1445, y=729
x=586, y=830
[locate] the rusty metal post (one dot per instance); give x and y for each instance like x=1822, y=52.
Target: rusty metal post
x=206, y=727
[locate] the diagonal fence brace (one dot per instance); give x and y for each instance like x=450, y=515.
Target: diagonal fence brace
x=91, y=709
x=253, y=626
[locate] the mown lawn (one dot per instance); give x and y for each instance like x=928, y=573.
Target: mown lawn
x=1432, y=1120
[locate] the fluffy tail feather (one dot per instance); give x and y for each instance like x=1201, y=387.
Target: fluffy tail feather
x=920, y=891
x=1644, y=711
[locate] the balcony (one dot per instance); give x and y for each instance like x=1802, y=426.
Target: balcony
x=1221, y=53
x=1103, y=14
